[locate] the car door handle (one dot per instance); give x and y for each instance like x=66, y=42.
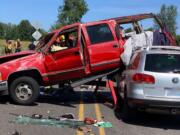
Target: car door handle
x=115, y=46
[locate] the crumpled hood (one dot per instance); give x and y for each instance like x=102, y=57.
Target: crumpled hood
x=10, y=57
x=20, y=62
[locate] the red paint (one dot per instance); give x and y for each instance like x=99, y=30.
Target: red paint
x=112, y=89
x=143, y=78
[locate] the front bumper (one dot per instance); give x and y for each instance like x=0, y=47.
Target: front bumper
x=3, y=85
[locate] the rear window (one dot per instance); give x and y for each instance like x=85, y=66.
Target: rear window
x=162, y=62
x=99, y=33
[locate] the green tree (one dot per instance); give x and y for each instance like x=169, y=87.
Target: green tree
x=178, y=40
x=55, y=26
x=9, y=31
x=128, y=30
x=70, y=12
x=168, y=15
x=2, y=30
x=22, y=31
x=43, y=32
x=25, y=30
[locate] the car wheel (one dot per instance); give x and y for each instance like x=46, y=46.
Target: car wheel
x=118, y=90
x=24, y=90
x=128, y=113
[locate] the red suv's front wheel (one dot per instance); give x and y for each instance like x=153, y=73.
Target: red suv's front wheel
x=24, y=90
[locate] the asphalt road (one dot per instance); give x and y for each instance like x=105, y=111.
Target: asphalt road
x=82, y=104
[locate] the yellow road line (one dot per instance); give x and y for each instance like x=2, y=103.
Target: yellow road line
x=81, y=112
x=97, y=111
x=99, y=117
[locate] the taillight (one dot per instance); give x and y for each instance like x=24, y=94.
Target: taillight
x=143, y=78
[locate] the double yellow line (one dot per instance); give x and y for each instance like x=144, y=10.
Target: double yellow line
x=81, y=111
x=99, y=117
x=98, y=114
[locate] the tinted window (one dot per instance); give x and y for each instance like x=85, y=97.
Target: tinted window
x=99, y=33
x=162, y=62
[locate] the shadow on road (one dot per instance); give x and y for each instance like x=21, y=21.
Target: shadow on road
x=157, y=121
x=72, y=99
x=5, y=100
x=152, y=120
x=69, y=99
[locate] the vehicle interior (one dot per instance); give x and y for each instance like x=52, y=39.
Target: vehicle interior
x=65, y=40
x=148, y=25
x=145, y=31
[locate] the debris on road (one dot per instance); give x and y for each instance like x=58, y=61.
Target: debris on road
x=103, y=124
x=85, y=129
x=108, y=104
x=37, y=116
x=68, y=116
x=48, y=111
x=66, y=120
x=71, y=123
x=89, y=121
x=16, y=133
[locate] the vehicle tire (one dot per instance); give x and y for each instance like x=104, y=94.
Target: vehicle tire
x=119, y=104
x=24, y=90
x=128, y=113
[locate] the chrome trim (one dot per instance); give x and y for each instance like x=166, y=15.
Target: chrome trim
x=177, y=48
x=106, y=62
x=62, y=72
x=3, y=85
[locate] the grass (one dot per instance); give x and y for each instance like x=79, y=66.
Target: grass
x=3, y=42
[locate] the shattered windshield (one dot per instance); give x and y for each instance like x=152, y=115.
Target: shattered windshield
x=43, y=42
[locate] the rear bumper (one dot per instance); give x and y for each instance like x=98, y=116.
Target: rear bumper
x=3, y=86
x=139, y=103
x=137, y=98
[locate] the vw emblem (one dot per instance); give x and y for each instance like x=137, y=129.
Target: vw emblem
x=175, y=80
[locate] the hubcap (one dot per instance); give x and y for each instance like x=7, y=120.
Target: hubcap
x=24, y=91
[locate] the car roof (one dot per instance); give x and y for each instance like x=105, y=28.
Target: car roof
x=163, y=52
x=119, y=20
x=160, y=50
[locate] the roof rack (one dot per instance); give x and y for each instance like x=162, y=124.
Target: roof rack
x=162, y=48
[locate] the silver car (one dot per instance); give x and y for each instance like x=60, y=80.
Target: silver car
x=152, y=80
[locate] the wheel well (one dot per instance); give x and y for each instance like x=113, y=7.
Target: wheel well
x=31, y=73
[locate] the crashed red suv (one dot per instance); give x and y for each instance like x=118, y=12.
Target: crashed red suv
x=88, y=51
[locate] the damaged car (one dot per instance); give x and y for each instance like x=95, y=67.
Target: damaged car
x=77, y=54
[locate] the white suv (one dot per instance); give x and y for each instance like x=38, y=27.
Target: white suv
x=152, y=80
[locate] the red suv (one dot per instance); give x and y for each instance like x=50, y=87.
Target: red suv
x=88, y=51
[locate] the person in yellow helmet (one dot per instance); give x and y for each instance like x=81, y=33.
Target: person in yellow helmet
x=59, y=44
x=60, y=39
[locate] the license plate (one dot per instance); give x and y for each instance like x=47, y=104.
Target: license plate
x=173, y=93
